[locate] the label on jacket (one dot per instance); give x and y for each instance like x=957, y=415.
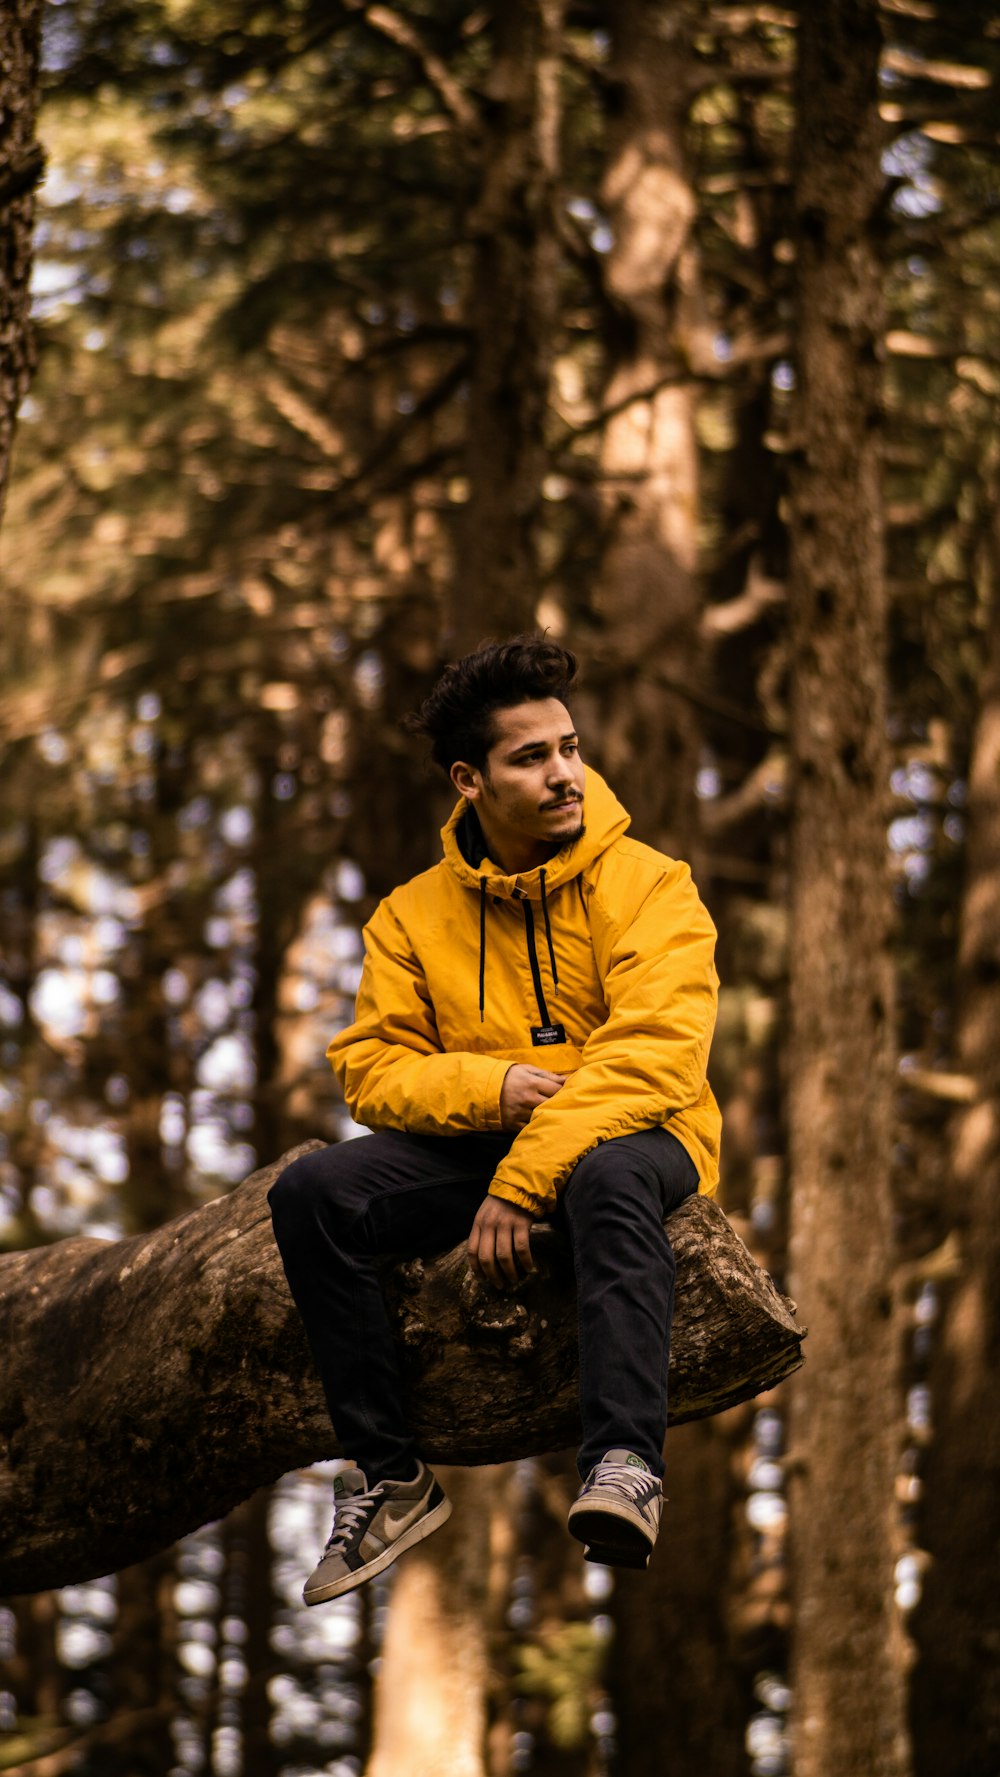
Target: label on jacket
x=544, y=1034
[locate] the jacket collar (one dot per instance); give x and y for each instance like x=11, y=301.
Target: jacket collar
x=605, y=820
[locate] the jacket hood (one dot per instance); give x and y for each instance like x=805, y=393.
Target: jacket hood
x=605, y=820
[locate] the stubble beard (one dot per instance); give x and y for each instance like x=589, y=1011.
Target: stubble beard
x=569, y=840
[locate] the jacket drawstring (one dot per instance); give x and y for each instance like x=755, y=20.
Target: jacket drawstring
x=482, y=949
x=482, y=943
x=548, y=936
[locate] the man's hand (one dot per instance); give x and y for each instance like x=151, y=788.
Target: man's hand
x=523, y=1089
x=500, y=1243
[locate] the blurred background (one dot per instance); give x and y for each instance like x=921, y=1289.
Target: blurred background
x=365, y=333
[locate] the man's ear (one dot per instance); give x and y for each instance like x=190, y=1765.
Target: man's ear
x=466, y=780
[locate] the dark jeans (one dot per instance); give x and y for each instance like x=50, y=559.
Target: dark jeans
x=336, y=1209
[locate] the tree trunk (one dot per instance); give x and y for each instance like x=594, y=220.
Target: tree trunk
x=647, y=605
x=33, y=1675
x=645, y=601
x=514, y=306
x=673, y=1622
x=956, y=1693
x=253, y=1602
x=847, y=1656
x=151, y=1384
x=431, y=1721
x=143, y=1669
x=513, y=309
x=20, y=170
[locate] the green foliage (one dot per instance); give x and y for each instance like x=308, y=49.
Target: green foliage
x=563, y=1666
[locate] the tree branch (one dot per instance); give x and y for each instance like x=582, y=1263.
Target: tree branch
x=151, y=1384
x=935, y=1083
x=399, y=30
x=766, y=785
x=760, y=595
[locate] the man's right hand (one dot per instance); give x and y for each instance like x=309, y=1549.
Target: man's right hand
x=523, y=1089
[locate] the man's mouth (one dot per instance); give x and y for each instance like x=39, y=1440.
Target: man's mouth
x=564, y=802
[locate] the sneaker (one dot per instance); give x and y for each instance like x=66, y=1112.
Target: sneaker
x=371, y=1526
x=617, y=1514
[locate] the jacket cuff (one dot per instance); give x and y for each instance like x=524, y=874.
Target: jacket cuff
x=520, y=1199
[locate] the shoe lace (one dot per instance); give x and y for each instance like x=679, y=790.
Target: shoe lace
x=631, y=1483
x=349, y=1515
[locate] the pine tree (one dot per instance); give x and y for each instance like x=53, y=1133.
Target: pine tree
x=845, y=1417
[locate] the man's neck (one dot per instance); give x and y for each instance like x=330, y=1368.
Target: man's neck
x=515, y=856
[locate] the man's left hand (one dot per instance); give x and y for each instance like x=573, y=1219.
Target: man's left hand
x=500, y=1243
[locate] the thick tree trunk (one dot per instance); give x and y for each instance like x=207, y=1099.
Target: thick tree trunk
x=673, y=1622
x=32, y=1674
x=20, y=170
x=151, y=1384
x=647, y=605
x=956, y=1693
x=847, y=1656
x=645, y=601
x=252, y=1602
x=432, y=1720
x=514, y=308
x=143, y=1667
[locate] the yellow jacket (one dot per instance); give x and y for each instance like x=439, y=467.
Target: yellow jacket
x=606, y=954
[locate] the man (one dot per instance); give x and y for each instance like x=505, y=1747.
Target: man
x=531, y=1037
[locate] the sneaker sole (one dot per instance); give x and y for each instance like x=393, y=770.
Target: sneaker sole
x=424, y=1527
x=616, y=1540
x=614, y=1555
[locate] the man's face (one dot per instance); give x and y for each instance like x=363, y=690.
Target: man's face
x=529, y=797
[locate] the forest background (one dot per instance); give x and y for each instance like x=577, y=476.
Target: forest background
x=362, y=332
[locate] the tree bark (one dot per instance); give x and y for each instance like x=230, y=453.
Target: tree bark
x=847, y=1668
x=143, y=1670
x=252, y=1600
x=151, y=1384
x=645, y=602
x=515, y=308
x=20, y=170
x=673, y=1621
x=432, y=1719
x=647, y=605
x=956, y=1691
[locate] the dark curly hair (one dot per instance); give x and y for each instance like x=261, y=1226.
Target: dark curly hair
x=457, y=717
